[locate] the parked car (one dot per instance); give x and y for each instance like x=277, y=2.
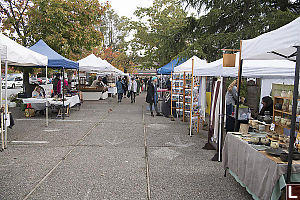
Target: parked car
x=13, y=82
x=34, y=80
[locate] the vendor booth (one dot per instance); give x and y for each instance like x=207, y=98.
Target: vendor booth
x=265, y=171
x=14, y=54
x=92, y=64
x=57, y=61
x=98, y=67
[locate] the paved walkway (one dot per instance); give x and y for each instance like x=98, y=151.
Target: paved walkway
x=110, y=151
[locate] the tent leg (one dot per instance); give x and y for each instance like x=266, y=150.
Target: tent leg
x=5, y=108
x=236, y=124
x=46, y=95
x=63, y=94
x=294, y=110
x=2, y=133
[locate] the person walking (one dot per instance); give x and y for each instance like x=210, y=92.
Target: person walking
x=125, y=85
x=132, y=88
x=120, y=89
x=152, y=97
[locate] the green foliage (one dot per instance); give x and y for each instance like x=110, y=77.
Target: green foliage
x=227, y=22
x=157, y=38
x=69, y=27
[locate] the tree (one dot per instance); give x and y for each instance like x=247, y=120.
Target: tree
x=14, y=18
x=227, y=22
x=69, y=27
x=111, y=27
x=156, y=33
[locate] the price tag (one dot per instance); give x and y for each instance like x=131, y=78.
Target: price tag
x=272, y=128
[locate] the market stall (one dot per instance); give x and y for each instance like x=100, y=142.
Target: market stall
x=280, y=44
x=14, y=54
x=92, y=64
x=57, y=61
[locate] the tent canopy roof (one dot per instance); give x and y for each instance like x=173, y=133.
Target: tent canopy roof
x=251, y=68
x=91, y=63
x=17, y=55
x=55, y=60
x=278, y=44
x=187, y=65
x=168, y=68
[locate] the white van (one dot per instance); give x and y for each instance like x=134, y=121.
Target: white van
x=13, y=81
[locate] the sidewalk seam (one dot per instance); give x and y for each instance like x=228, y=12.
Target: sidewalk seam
x=146, y=157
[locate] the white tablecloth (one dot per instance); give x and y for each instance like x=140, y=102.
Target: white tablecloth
x=40, y=104
x=112, y=90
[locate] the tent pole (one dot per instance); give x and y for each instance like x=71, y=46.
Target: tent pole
x=172, y=117
x=2, y=133
x=294, y=110
x=78, y=79
x=5, y=108
x=192, y=100
x=63, y=94
x=46, y=94
x=236, y=124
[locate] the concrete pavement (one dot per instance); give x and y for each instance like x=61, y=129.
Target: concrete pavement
x=110, y=151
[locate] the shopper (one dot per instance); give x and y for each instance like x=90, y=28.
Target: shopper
x=152, y=97
x=125, y=85
x=55, y=84
x=120, y=89
x=105, y=80
x=132, y=88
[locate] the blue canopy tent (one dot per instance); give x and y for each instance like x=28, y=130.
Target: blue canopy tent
x=55, y=60
x=168, y=68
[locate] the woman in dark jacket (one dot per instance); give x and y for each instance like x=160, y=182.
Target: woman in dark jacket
x=267, y=105
x=120, y=89
x=152, y=97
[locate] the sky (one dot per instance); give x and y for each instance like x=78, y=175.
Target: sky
x=127, y=7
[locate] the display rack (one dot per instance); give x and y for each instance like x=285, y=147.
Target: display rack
x=195, y=110
x=177, y=94
x=284, y=111
x=186, y=94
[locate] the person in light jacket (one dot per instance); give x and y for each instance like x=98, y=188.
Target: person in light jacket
x=132, y=88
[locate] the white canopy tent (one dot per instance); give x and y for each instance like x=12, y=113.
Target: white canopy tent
x=92, y=63
x=280, y=44
x=251, y=68
x=111, y=68
x=187, y=65
x=14, y=54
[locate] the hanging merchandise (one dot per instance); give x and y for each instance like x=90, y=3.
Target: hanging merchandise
x=177, y=94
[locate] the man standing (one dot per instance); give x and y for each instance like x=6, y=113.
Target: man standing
x=152, y=97
x=132, y=88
